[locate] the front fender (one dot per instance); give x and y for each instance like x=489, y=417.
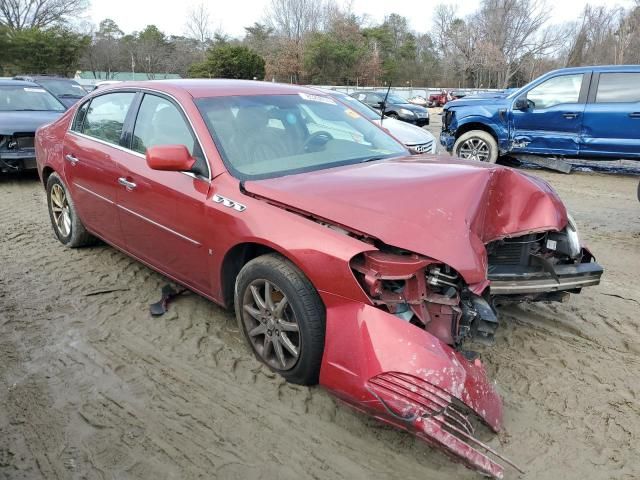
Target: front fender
x=494, y=121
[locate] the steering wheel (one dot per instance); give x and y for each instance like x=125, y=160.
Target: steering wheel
x=317, y=139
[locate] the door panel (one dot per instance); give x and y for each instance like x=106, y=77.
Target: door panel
x=161, y=215
x=612, y=120
x=553, y=121
x=92, y=175
x=88, y=150
x=161, y=212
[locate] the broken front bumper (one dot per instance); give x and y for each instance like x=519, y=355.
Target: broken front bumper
x=557, y=278
x=15, y=161
x=447, y=140
x=404, y=376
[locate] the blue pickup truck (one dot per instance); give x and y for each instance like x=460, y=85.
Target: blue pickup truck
x=586, y=112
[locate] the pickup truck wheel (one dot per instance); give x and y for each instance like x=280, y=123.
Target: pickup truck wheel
x=476, y=145
x=282, y=317
x=64, y=218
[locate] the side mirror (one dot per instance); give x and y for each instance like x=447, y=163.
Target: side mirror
x=175, y=158
x=380, y=105
x=521, y=104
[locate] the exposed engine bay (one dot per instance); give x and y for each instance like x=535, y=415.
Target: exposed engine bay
x=545, y=266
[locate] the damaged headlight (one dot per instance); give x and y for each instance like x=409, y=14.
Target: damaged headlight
x=572, y=237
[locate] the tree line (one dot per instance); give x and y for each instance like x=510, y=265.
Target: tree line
x=503, y=43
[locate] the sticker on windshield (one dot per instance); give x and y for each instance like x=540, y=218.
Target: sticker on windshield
x=318, y=98
x=352, y=113
x=31, y=89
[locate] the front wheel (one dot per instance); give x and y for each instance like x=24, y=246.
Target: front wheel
x=282, y=317
x=476, y=145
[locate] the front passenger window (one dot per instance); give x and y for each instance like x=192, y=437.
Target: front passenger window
x=160, y=122
x=105, y=117
x=556, y=90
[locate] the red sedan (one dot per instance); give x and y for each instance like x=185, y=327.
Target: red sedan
x=350, y=263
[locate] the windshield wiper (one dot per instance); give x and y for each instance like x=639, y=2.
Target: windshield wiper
x=69, y=95
x=373, y=159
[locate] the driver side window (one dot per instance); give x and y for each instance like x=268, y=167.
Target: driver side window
x=555, y=91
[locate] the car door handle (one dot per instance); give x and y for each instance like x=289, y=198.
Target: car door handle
x=635, y=115
x=71, y=159
x=126, y=183
x=570, y=115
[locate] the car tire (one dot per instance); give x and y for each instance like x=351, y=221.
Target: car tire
x=265, y=328
x=476, y=145
x=65, y=221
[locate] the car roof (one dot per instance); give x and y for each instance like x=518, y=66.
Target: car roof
x=23, y=83
x=199, y=88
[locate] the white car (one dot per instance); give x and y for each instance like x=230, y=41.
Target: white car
x=416, y=139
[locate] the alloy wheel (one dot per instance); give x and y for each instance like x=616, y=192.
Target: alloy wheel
x=475, y=149
x=271, y=325
x=61, y=210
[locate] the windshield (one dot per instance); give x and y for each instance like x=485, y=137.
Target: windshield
x=24, y=98
x=393, y=98
x=266, y=136
x=63, y=88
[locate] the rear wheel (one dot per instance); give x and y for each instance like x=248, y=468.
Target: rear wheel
x=476, y=145
x=64, y=218
x=282, y=317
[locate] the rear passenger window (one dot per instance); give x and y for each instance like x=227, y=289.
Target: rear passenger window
x=105, y=116
x=618, y=88
x=159, y=122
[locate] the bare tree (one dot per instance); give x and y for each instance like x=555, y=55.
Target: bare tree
x=198, y=26
x=294, y=19
x=516, y=29
x=22, y=14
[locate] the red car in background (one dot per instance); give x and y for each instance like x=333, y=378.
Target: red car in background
x=349, y=262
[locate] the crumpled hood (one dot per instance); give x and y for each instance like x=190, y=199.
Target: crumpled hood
x=478, y=100
x=25, y=122
x=441, y=207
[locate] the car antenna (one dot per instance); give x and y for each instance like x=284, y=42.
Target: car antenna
x=384, y=104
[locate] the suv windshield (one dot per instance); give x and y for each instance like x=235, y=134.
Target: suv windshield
x=62, y=88
x=265, y=136
x=26, y=98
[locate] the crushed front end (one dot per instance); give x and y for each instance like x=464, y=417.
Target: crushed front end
x=17, y=152
x=403, y=359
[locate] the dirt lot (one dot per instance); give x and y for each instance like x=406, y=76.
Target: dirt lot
x=92, y=387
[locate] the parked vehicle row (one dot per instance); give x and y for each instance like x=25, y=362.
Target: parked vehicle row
x=394, y=106
x=66, y=90
x=348, y=261
x=586, y=112
x=416, y=139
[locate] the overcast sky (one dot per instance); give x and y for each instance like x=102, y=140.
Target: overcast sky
x=233, y=15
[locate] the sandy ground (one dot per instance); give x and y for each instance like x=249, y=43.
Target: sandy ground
x=92, y=387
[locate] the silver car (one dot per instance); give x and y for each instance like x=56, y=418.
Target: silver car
x=416, y=139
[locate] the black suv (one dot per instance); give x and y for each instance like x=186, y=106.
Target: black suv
x=66, y=90
x=395, y=106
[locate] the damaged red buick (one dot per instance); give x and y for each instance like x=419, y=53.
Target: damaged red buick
x=350, y=263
